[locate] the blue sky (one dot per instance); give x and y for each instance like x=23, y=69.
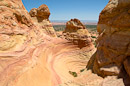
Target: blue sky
x=68, y=9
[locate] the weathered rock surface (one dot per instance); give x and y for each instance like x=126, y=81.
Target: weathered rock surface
x=40, y=16
x=112, y=81
x=20, y=47
x=113, y=50
x=73, y=25
x=29, y=57
x=77, y=33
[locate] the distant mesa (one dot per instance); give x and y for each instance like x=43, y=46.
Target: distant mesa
x=63, y=22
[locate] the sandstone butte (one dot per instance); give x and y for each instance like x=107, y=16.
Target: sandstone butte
x=77, y=33
x=32, y=55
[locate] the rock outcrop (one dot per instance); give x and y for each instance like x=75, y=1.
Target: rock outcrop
x=77, y=33
x=40, y=16
x=20, y=41
x=113, y=50
x=73, y=25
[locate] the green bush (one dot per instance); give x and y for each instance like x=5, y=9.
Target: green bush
x=82, y=70
x=73, y=73
x=93, y=36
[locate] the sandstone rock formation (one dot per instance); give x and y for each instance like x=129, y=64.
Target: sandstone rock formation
x=29, y=57
x=113, y=50
x=20, y=46
x=40, y=16
x=73, y=25
x=77, y=33
x=112, y=81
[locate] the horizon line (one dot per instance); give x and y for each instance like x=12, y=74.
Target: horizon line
x=69, y=19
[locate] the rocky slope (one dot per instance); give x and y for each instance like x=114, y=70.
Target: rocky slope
x=113, y=52
x=77, y=33
x=40, y=16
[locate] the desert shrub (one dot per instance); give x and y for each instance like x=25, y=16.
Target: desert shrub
x=93, y=36
x=82, y=70
x=73, y=73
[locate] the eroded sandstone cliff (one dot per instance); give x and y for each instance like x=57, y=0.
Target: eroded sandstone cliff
x=113, y=52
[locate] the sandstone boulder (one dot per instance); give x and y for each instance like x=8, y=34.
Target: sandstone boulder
x=33, y=12
x=43, y=12
x=40, y=16
x=77, y=33
x=73, y=25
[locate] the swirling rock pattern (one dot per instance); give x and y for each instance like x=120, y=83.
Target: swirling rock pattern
x=29, y=57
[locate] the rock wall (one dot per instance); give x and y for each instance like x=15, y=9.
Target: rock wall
x=40, y=16
x=113, y=50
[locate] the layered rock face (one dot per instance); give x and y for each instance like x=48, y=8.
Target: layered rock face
x=77, y=33
x=40, y=16
x=20, y=43
x=113, y=52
